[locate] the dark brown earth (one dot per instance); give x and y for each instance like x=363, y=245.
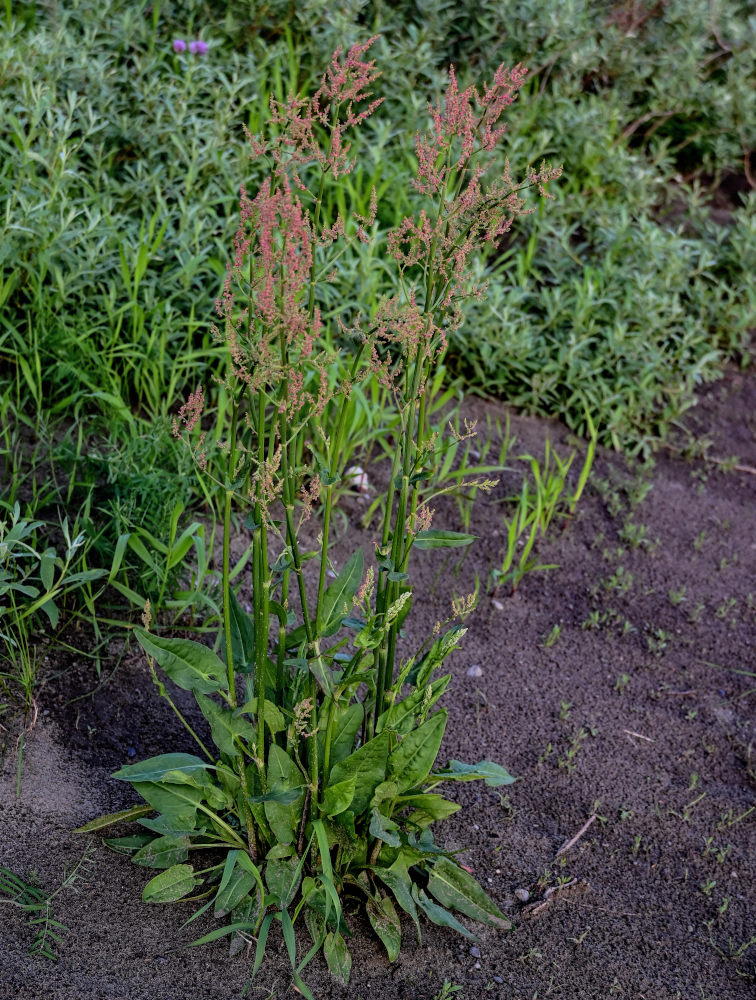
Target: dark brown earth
x=636, y=715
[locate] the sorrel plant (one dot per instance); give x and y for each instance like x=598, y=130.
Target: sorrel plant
x=321, y=781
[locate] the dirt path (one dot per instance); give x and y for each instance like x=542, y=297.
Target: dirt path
x=609, y=686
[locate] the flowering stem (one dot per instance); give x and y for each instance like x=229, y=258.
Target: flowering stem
x=229, y=492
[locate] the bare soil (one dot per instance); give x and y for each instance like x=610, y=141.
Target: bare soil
x=635, y=714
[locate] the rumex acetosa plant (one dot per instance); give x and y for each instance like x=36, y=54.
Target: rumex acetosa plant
x=321, y=784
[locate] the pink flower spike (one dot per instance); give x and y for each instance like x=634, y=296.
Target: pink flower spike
x=198, y=47
x=179, y=45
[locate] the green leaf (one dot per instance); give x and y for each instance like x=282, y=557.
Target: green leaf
x=189, y=664
x=274, y=719
x=236, y=889
x=401, y=717
x=399, y=881
x=339, y=594
x=242, y=636
x=413, y=759
x=277, y=793
x=225, y=725
x=175, y=825
x=127, y=845
x=456, y=889
x=162, y=852
x=176, y=801
x=421, y=673
x=337, y=957
x=284, y=817
x=440, y=539
x=159, y=769
x=384, y=829
x=346, y=727
x=282, y=877
x=338, y=797
x=368, y=767
x=485, y=770
x=171, y=885
x=438, y=915
x=118, y=817
x=429, y=808
x=385, y=922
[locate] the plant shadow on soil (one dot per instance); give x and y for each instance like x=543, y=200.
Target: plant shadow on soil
x=634, y=715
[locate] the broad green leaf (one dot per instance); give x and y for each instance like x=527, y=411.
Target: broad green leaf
x=174, y=826
x=456, y=889
x=384, y=829
x=337, y=957
x=127, y=845
x=401, y=717
x=173, y=800
x=428, y=808
x=231, y=895
x=411, y=762
x=322, y=674
x=337, y=600
x=346, y=727
x=439, y=539
x=274, y=719
x=485, y=770
x=242, y=637
x=282, y=877
x=385, y=922
x=386, y=791
x=399, y=881
x=118, y=817
x=160, y=768
x=277, y=793
x=163, y=852
x=368, y=767
x=438, y=915
x=338, y=797
x=189, y=664
x=284, y=818
x=170, y=885
x=225, y=725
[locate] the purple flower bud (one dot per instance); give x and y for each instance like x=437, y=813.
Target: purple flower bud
x=198, y=48
x=179, y=45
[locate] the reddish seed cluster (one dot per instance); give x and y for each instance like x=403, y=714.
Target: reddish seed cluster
x=272, y=331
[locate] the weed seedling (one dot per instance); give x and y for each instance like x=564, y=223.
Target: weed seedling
x=552, y=638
